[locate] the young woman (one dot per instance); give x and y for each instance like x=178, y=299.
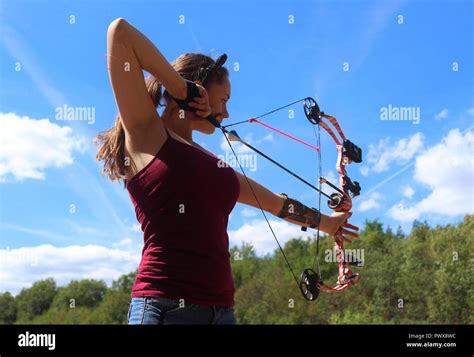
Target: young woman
x=181, y=193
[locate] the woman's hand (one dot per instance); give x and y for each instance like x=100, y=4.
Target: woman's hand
x=201, y=103
x=338, y=220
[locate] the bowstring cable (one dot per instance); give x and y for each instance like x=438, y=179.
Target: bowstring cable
x=265, y=114
x=320, y=169
x=263, y=212
x=316, y=262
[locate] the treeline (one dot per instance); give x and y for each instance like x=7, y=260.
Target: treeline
x=80, y=302
x=426, y=277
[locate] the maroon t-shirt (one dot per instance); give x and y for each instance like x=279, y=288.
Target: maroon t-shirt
x=182, y=200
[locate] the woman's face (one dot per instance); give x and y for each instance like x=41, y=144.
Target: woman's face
x=219, y=94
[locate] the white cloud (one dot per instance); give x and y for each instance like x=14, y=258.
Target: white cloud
x=364, y=171
x=442, y=114
x=21, y=267
x=29, y=146
x=403, y=214
x=259, y=235
x=249, y=212
x=385, y=153
x=470, y=111
x=447, y=169
x=370, y=202
x=136, y=227
x=269, y=137
x=238, y=147
x=449, y=163
x=408, y=191
x=126, y=242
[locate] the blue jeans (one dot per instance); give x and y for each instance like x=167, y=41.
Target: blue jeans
x=161, y=311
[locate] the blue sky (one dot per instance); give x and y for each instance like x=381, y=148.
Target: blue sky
x=59, y=217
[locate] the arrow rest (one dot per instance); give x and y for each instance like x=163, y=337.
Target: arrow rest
x=233, y=136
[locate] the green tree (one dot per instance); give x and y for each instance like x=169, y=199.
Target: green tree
x=113, y=308
x=425, y=277
x=125, y=282
x=244, y=262
x=36, y=300
x=8, y=308
x=83, y=293
x=63, y=316
x=452, y=299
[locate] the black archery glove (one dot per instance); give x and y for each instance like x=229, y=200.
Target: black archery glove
x=192, y=92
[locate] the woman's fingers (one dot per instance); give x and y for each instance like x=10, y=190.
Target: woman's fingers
x=203, y=114
x=198, y=104
x=203, y=111
x=349, y=233
x=350, y=226
x=200, y=108
x=202, y=91
x=346, y=239
x=201, y=103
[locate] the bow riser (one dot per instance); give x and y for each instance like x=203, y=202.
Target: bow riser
x=342, y=200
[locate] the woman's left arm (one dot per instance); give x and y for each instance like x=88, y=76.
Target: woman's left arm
x=289, y=209
x=269, y=201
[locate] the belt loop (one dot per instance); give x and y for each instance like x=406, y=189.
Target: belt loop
x=214, y=316
x=143, y=310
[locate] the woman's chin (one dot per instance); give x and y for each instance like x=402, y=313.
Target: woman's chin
x=207, y=129
x=211, y=129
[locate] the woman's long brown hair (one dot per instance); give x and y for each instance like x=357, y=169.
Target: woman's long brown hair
x=111, y=142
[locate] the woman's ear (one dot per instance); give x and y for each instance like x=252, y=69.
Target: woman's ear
x=198, y=82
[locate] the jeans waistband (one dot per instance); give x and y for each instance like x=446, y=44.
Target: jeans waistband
x=196, y=306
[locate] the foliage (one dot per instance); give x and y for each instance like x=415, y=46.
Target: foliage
x=8, y=308
x=426, y=277
x=83, y=293
x=36, y=300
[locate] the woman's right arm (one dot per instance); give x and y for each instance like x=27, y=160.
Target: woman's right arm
x=130, y=52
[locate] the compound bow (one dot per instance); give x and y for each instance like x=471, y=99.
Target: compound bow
x=310, y=283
